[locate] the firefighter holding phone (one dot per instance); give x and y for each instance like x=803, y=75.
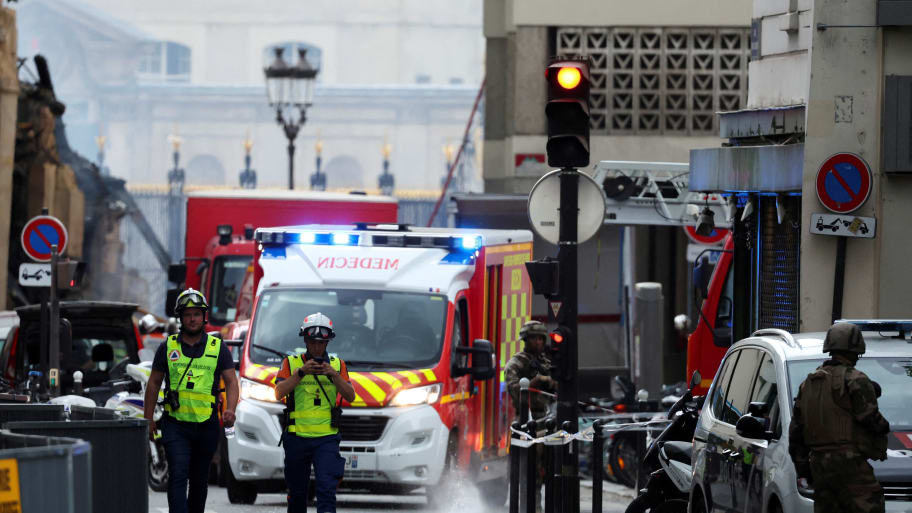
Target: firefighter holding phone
x=311, y=384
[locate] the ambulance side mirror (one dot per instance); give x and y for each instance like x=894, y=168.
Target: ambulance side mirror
x=482, y=366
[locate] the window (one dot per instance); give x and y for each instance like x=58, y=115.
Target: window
x=766, y=391
x=717, y=401
x=460, y=335
x=374, y=329
x=724, y=308
x=165, y=61
x=741, y=386
x=227, y=276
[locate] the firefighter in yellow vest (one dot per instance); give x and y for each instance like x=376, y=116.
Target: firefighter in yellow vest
x=311, y=384
x=190, y=363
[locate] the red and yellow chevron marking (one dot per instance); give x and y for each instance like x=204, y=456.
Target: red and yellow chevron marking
x=261, y=373
x=375, y=389
x=513, y=313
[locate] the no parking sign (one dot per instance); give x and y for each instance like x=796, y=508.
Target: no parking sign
x=843, y=182
x=40, y=233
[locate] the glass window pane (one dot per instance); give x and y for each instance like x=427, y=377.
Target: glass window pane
x=741, y=386
x=717, y=401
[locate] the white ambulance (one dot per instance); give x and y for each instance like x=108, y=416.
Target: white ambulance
x=425, y=319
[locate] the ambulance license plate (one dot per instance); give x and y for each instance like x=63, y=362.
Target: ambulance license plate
x=351, y=461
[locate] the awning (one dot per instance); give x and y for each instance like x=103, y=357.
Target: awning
x=776, y=168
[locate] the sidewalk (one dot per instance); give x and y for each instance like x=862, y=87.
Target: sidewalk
x=615, y=497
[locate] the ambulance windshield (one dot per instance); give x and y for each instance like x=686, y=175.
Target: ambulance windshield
x=374, y=329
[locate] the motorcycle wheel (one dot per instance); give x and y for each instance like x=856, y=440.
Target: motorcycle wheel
x=641, y=505
x=623, y=459
x=158, y=474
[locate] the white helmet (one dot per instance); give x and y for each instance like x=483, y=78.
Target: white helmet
x=317, y=327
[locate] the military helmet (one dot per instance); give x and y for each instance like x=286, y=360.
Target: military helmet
x=844, y=336
x=190, y=298
x=317, y=327
x=532, y=328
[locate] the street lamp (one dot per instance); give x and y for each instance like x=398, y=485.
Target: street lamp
x=176, y=176
x=318, y=179
x=100, y=142
x=248, y=176
x=290, y=89
x=176, y=179
x=387, y=181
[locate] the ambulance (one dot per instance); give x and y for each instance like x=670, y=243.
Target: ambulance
x=425, y=319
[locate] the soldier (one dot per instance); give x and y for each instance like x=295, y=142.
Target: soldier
x=836, y=427
x=532, y=363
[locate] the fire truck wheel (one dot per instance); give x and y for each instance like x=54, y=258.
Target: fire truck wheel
x=240, y=492
x=444, y=491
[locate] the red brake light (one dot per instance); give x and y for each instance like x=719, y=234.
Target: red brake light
x=557, y=338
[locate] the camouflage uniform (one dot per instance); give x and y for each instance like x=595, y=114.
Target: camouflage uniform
x=528, y=365
x=836, y=427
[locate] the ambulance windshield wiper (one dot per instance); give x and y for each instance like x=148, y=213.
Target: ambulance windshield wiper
x=378, y=365
x=270, y=350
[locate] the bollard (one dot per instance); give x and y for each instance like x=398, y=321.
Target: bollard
x=640, y=437
x=567, y=493
x=531, y=469
x=598, y=449
x=548, y=465
x=514, y=473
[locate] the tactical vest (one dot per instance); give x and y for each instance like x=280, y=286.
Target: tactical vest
x=827, y=410
x=195, y=389
x=310, y=411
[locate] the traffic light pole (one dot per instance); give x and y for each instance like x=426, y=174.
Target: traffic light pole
x=568, y=389
x=54, y=342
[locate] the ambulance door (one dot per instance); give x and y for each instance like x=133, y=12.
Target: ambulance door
x=495, y=417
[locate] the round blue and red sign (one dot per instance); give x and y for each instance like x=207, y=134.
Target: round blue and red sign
x=716, y=237
x=844, y=182
x=40, y=233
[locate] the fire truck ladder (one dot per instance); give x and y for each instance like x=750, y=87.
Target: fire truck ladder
x=655, y=193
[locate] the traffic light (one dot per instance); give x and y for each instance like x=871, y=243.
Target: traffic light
x=544, y=277
x=559, y=348
x=568, y=113
x=69, y=274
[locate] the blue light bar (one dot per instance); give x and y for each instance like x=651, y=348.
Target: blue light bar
x=307, y=238
x=471, y=242
x=344, y=239
x=900, y=325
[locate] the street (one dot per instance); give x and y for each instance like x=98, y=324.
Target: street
x=616, y=498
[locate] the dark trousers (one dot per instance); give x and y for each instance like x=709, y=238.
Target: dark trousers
x=189, y=448
x=321, y=452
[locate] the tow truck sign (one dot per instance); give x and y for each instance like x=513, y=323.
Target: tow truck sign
x=843, y=225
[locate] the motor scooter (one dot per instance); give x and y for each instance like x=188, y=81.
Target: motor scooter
x=668, y=487
x=132, y=404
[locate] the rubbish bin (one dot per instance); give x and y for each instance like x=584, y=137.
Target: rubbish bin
x=39, y=460
x=30, y=412
x=120, y=458
x=92, y=413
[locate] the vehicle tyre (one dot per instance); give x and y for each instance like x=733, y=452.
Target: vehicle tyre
x=445, y=490
x=623, y=459
x=698, y=505
x=158, y=474
x=240, y=492
x=223, y=468
x=494, y=491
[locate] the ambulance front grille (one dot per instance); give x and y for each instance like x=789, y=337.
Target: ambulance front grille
x=897, y=491
x=362, y=428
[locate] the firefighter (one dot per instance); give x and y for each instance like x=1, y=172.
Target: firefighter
x=312, y=383
x=532, y=363
x=836, y=427
x=192, y=361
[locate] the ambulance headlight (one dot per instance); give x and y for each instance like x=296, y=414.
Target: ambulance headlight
x=471, y=242
x=252, y=390
x=419, y=395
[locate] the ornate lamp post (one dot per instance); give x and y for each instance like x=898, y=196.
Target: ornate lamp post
x=387, y=181
x=290, y=90
x=248, y=176
x=176, y=176
x=318, y=178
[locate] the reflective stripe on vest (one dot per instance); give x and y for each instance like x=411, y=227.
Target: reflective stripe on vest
x=195, y=403
x=308, y=420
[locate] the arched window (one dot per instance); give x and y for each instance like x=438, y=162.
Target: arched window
x=205, y=170
x=165, y=61
x=290, y=54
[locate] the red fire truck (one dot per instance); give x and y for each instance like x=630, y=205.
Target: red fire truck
x=425, y=318
x=219, y=238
